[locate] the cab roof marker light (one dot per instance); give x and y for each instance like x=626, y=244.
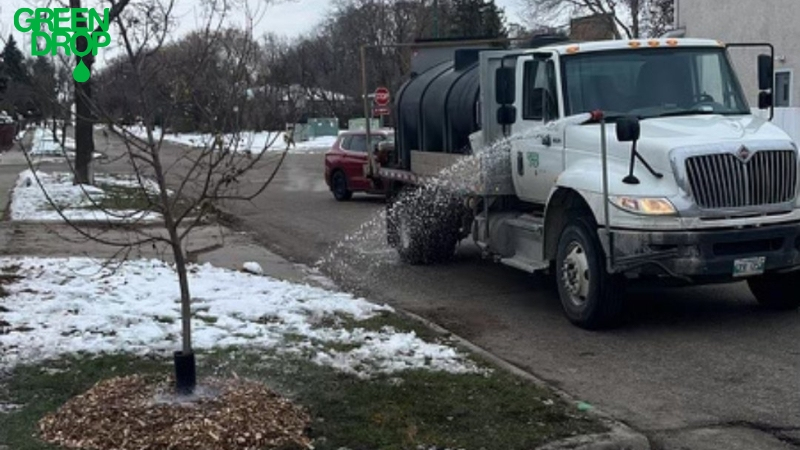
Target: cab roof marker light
x=672, y=42
x=573, y=49
x=653, y=43
x=635, y=44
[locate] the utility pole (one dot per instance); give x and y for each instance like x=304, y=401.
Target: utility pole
x=436, y=17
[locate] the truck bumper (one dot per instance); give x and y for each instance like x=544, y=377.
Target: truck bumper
x=708, y=254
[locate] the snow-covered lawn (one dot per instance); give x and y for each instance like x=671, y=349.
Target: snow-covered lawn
x=67, y=305
x=76, y=202
x=253, y=142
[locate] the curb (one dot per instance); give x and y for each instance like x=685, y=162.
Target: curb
x=614, y=440
x=620, y=436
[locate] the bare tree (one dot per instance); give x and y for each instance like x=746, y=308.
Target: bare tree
x=627, y=14
x=660, y=17
x=326, y=63
x=184, y=185
x=84, y=121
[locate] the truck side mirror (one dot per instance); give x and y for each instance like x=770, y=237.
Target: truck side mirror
x=764, y=100
x=504, y=85
x=765, y=72
x=506, y=115
x=628, y=129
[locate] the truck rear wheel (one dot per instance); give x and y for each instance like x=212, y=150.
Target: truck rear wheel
x=778, y=291
x=591, y=297
x=421, y=228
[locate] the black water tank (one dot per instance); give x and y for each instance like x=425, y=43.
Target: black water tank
x=462, y=111
x=436, y=110
x=409, y=104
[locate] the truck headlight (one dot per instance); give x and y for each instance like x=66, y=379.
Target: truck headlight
x=644, y=205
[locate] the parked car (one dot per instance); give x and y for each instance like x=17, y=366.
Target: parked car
x=345, y=162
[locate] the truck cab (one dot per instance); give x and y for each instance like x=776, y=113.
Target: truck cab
x=605, y=162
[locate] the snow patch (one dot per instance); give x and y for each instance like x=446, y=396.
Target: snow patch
x=253, y=267
x=43, y=143
x=76, y=202
x=246, y=142
x=69, y=305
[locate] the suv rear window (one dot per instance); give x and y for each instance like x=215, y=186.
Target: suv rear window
x=358, y=143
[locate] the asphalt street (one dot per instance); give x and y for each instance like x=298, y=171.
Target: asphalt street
x=695, y=368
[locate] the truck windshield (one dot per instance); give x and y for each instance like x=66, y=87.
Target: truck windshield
x=652, y=83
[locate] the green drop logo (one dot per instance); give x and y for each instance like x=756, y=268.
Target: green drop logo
x=81, y=72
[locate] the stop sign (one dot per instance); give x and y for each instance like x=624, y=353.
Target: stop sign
x=381, y=96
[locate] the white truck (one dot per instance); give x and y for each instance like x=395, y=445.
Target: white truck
x=609, y=161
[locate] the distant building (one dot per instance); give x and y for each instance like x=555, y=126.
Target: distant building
x=773, y=21
x=596, y=27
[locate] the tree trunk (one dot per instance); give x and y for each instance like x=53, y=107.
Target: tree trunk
x=186, y=298
x=84, y=127
x=175, y=242
x=64, y=127
x=635, y=6
x=84, y=134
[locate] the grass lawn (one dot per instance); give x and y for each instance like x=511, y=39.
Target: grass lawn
x=125, y=198
x=404, y=411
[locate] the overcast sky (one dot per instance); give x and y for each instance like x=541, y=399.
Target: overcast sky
x=287, y=17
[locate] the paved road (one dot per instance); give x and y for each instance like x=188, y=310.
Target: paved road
x=696, y=368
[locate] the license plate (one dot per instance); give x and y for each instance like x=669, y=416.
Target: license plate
x=748, y=266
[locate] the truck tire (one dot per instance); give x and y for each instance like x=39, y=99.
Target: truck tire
x=777, y=291
x=590, y=296
x=421, y=228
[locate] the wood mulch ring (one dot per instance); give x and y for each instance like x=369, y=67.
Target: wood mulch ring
x=137, y=412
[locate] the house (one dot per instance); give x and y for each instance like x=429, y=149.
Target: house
x=594, y=27
x=773, y=21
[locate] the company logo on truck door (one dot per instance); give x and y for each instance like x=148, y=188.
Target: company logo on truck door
x=533, y=159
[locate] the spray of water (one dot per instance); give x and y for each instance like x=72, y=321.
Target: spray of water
x=367, y=250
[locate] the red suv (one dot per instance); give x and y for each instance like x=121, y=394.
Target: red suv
x=346, y=160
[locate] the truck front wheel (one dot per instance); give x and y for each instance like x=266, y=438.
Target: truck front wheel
x=777, y=291
x=591, y=297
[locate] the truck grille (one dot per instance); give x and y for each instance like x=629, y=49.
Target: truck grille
x=725, y=181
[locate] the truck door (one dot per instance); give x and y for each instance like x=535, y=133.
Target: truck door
x=537, y=149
